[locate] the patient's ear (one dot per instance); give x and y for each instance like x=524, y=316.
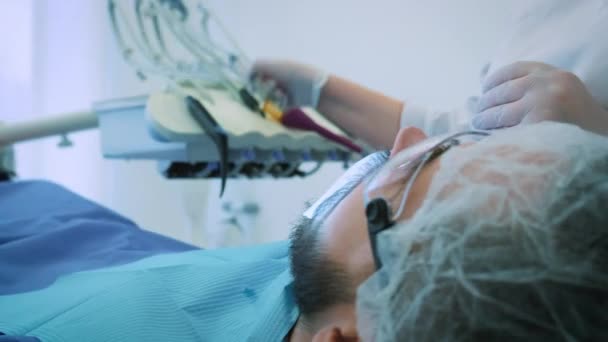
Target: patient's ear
x=336, y=334
x=407, y=136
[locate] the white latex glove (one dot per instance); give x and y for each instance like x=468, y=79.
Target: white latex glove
x=302, y=83
x=527, y=92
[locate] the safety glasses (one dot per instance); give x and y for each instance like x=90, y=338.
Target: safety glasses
x=344, y=185
x=386, y=191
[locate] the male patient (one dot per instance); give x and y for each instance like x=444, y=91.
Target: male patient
x=71, y=270
x=255, y=294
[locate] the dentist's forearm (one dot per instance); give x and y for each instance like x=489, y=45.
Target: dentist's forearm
x=361, y=112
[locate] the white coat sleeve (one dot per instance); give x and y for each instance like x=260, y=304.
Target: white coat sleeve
x=434, y=121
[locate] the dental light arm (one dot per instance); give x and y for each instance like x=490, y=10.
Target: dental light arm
x=56, y=125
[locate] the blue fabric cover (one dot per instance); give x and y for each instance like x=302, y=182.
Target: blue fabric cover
x=48, y=233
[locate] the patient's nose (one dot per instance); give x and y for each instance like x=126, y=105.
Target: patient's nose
x=407, y=136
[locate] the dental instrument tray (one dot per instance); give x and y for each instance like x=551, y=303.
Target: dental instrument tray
x=161, y=126
x=212, y=120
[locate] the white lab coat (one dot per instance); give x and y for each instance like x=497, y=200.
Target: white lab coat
x=568, y=34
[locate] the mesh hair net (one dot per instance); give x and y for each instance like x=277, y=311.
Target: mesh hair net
x=510, y=244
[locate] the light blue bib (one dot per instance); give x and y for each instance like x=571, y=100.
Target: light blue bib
x=236, y=294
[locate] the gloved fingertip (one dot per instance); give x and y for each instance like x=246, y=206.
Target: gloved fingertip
x=480, y=122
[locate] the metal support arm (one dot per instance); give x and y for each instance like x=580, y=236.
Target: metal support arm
x=46, y=127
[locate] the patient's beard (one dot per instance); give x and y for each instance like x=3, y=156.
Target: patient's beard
x=319, y=283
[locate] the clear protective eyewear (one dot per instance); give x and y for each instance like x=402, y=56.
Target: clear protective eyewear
x=386, y=191
x=352, y=176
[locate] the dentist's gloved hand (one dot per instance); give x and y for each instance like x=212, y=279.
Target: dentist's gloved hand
x=527, y=92
x=302, y=83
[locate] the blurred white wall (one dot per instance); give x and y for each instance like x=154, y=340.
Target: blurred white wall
x=429, y=51
x=16, y=54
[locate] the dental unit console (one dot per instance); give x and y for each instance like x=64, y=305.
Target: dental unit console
x=211, y=120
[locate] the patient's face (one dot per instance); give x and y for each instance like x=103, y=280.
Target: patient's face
x=332, y=259
x=511, y=166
